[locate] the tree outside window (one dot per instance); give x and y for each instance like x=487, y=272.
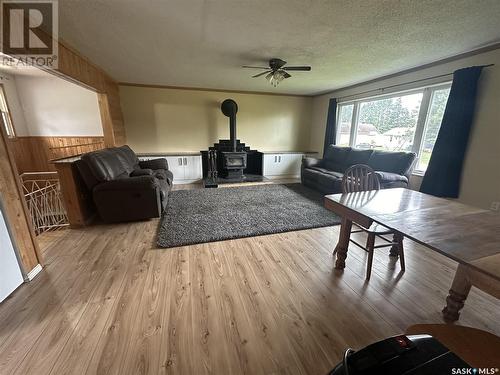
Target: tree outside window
x=400, y=122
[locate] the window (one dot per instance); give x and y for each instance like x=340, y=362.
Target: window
x=345, y=121
x=5, y=115
x=432, y=124
x=388, y=124
x=407, y=121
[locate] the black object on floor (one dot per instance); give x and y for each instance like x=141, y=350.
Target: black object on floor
x=210, y=182
x=402, y=355
x=206, y=215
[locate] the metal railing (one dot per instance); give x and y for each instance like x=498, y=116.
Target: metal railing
x=42, y=193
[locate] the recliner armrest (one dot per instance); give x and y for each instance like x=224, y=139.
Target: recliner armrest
x=131, y=183
x=154, y=164
x=390, y=177
x=308, y=162
x=141, y=172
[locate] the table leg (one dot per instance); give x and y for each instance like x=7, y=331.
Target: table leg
x=459, y=291
x=343, y=244
x=394, y=252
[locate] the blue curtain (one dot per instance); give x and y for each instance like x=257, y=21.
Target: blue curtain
x=444, y=172
x=331, y=126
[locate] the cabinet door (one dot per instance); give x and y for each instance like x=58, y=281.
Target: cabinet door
x=290, y=164
x=176, y=166
x=192, y=168
x=270, y=165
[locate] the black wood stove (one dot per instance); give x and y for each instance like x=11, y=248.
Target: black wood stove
x=233, y=161
x=230, y=160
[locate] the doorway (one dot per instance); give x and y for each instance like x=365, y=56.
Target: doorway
x=43, y=117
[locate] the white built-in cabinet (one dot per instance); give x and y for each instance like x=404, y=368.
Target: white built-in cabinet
x=185, y=168
x=282, y=164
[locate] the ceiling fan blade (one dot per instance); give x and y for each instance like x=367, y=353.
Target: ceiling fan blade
x=255, y=67
x=261, y=74
x=276, y=64
x=303, y=68
x=285, y=74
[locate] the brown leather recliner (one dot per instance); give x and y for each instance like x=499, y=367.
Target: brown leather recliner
x=124, y=188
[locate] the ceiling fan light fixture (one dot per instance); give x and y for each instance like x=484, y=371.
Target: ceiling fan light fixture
x=275, y=77
x=277, y=71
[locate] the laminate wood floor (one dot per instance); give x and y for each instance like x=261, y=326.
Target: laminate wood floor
x=109, y=302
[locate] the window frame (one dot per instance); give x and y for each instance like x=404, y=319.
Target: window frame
x=9, y=128
x=422, y=119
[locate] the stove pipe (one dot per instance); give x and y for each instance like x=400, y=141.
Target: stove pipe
x=230, y=108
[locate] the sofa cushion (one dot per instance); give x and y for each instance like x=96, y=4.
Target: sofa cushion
x=326, y=183
x=392, y=162
x=357, y=156
x=335, y=158
x=105, y=165
x=328, y=171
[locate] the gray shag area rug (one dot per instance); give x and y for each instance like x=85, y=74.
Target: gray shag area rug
x=206, y=215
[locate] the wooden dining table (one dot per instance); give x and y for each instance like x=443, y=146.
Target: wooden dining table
x=466, y=234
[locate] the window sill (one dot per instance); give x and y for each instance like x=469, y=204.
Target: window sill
x=418, y=173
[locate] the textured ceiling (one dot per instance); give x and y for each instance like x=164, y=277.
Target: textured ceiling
x=197, y=43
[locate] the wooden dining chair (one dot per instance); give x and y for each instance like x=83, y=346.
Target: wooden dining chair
x=358, y=178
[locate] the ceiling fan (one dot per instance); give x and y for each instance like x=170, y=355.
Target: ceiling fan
x=277, y=71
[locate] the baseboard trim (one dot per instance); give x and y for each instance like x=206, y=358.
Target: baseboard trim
x=186, y=182
x=34, y=272
x=284, y=176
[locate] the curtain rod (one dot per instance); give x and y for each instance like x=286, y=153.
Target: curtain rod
x=403, y=84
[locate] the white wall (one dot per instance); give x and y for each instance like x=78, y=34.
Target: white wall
x=52, y=106
x=481, y=175
x=16, y=111
x=168, y=119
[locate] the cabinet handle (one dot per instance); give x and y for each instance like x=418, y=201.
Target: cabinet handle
x=279, y=159
x=180, y=161
x=185, y=161
x=275, y=158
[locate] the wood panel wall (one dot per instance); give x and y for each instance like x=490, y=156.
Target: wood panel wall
x=76, y=68
x=33, y=154
x=15, y=210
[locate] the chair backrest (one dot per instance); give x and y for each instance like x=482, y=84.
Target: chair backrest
x=359, y=177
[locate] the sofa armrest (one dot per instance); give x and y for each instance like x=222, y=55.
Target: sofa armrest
x=141, y=172
x=131, y=183
x=154, y=164
x=386, y=177
x=308, y=162
x=411, y=166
